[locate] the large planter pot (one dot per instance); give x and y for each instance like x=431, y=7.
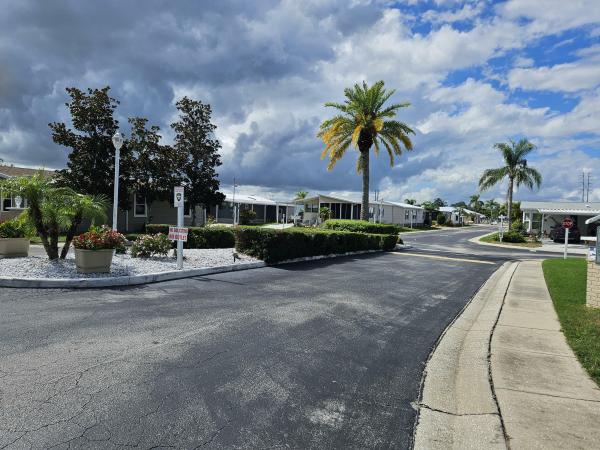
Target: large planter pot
x=91, y=261
x=14, y=247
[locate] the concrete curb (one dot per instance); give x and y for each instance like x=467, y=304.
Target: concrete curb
x=476, y=240
x=90, y=283
x=457, y=407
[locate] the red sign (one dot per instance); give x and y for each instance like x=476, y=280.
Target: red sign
x=567, y=222
x=178, y=234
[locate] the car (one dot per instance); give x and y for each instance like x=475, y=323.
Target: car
x=494, y=222
x=557, y=234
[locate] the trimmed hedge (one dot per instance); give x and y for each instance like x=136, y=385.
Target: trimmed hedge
x=200, y=237
x=361, y=226
x=273, y=246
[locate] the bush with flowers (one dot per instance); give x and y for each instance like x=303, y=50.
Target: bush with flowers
x=148, y=245
x=100, y=238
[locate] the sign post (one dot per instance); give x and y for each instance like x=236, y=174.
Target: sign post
x=501, y=231
x=181, y=234
x=567, y=223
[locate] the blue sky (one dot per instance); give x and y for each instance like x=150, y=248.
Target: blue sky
x=475, y=72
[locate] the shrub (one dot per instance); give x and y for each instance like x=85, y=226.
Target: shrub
x=15, y=228
x=247, y=216
x=100, y=239
x=148, y=245
x=441, y=219
x=201, y=237
x=273, y=245
x=510, y=236
x=361, y=226
x=324, y=213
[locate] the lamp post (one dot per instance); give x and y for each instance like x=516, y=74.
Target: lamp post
x=117, y=141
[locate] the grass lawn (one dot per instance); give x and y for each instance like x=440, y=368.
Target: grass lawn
x=492, y=239
x=37, y=240
x=566, y=280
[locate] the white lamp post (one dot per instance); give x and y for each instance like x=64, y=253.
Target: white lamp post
x=117, y=140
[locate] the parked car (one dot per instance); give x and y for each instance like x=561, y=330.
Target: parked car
x=557, y=234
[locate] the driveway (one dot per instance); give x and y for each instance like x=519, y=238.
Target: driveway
x=327, y=354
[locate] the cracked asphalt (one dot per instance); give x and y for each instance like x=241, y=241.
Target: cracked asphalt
x=326, y=354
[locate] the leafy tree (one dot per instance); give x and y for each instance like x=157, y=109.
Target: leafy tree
x=199, y=150
x=410, y=201
x=90, y=165
x=364, y=122
x=155, y=171
x=301, y=194
x=441, y=219
x=429, y=206
x=515, y=169
x=475, y=202
x=438, y=203
x=460, y=204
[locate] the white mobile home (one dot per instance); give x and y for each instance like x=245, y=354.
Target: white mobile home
x=345, y=208
x=542, y=217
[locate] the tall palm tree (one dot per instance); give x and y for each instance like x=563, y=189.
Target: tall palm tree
x=475, y=202
x=301, y=194
x=364, y=122
x=490, y=206
x=515, y=169
x=410, y=201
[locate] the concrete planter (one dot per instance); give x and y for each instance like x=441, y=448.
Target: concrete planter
x=14, y=247
x=93, y=261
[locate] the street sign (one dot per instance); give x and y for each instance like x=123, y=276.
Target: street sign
x=178, y=197
x=567, y=223
x=178, y=234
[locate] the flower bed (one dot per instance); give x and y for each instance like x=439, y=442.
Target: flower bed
x=122, y=265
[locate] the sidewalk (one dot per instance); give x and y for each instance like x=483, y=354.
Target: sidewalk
x=546, y=398
x=503, y=376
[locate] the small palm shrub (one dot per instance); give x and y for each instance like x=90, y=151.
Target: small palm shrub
x=247, y=216
x=100, y=238
x=148, y=245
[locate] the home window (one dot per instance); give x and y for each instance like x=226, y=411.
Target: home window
x=9, y=203
x=187, y=209
x=139, y=205
x=406, y=214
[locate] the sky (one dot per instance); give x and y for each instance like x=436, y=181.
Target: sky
x=475, y=73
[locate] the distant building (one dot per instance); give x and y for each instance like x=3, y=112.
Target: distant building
x=461, y=215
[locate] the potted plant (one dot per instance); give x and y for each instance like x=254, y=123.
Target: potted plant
x=94, y=249
x=14, y=238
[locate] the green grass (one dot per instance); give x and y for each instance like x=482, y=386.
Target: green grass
x=494, y=239
x=37, y=240
x=566, y=280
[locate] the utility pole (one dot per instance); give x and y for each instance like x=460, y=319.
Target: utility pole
x=588, y=188
x=583, y=186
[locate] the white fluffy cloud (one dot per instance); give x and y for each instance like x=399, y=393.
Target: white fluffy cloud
x=568, y=77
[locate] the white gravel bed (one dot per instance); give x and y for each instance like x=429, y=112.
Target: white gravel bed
x=122, y=265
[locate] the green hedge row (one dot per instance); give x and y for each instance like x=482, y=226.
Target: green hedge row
x=200, y=237
x=273, y=246
x=361, y=226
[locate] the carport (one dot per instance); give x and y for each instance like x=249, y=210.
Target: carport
x=542, y=217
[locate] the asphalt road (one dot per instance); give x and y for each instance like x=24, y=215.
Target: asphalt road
x=457, y=242
x=313, y=355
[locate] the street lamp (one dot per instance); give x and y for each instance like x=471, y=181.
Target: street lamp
x=117, y=141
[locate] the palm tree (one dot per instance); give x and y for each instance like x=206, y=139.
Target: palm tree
x=78, y=208
x=515, y=169
x=301, y=195
x=364, y=122
x=410, y=201
x=490, y=206
x=475, y=202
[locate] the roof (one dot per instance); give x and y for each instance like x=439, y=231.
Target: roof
x=577, y=208
x=356, y=201
x=253, y=199
x=9, y=171
x=451, y=209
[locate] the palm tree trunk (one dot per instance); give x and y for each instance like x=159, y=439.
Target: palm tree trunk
x=510, y=202
x=70, y=235
x=364, y=209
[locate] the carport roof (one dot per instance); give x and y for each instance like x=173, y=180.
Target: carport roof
x=575, y=208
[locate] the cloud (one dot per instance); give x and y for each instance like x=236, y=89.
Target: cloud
x=268, y=66
x=568, y=77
